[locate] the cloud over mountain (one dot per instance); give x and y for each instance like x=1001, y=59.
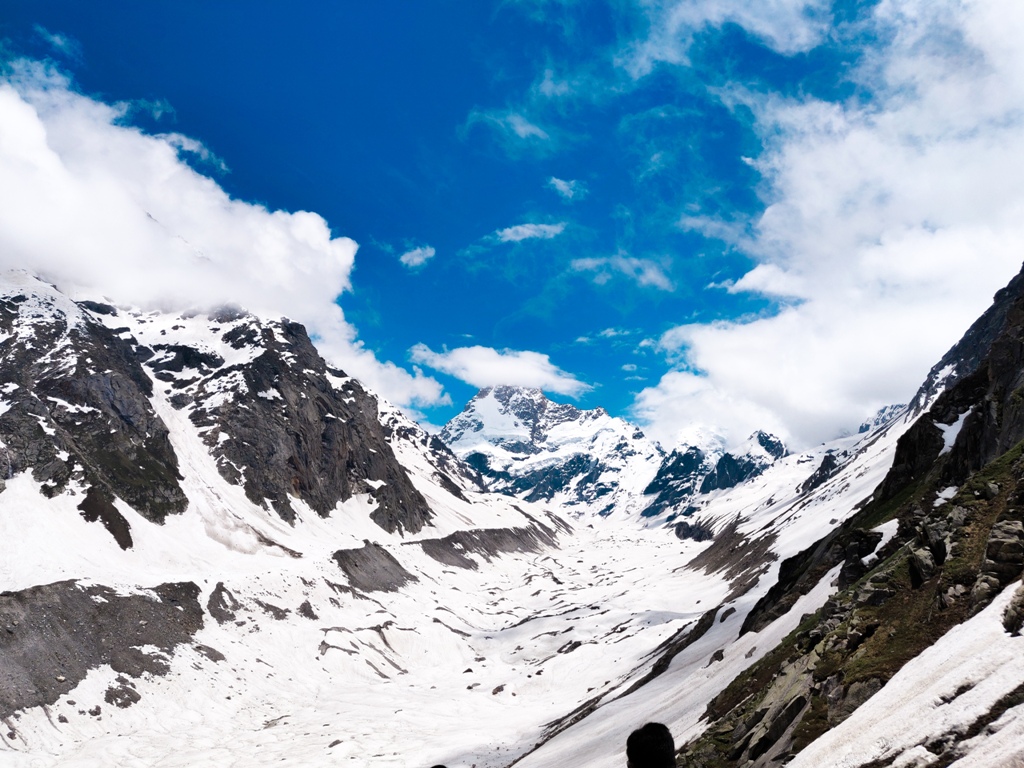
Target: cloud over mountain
x=90, y=202
x=487, y=367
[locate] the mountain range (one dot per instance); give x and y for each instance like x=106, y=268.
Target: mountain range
x=219, y=549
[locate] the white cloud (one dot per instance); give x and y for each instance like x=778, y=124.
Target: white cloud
x=417, y=257
x=892, y=224
x=530, y=232
x=512, y=129
x=188, y=144
x=568, y=189
x=629, y=367
x=644, y=271
x=523, y=128
x=487, y=367
x=551, y=88
x=62, y=44
x=97, y=206
x=787, y=26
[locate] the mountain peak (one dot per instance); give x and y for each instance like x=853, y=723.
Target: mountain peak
x=530, y=446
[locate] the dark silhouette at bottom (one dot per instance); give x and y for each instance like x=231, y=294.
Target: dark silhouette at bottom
x=650, y=746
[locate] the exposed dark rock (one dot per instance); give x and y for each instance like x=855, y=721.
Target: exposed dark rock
x=289, y=432
x=1003, y=561
x=371, y=568
x=981, y=390
x=122, y=695
x=80, y=409
x=828, y=467
x=677, y=481
x=211, y=653
x=177, y=358
x=772, y=445
x=741, y=559
x=672, y=647
x=729, y=472
x=455, y=548
x=586, y=476
x=98, y=308
x=966, y=356
x=1013, y=616
x=273, y=611
x=97, y=506
x=697, y=530
x=57, y=632
x=222, y=605
x=799, y=574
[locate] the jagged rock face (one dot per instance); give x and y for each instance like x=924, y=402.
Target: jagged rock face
x=283, y=425
x=946, y=562
x=884, y=415
x=678, y=480
x=827, y=468
x=760, y=452
x=78, y=408
x=527, y=446
x=955, y=489
x=966, y=356
x=75, y=408
x=980, y=413
x=450, y=472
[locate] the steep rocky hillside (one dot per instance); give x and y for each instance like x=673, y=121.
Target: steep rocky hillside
x=951, y=528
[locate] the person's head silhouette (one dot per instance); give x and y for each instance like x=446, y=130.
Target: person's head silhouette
x=650, y=746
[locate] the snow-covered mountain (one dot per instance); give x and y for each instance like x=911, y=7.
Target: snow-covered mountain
x=527, y=446
x=217, y=549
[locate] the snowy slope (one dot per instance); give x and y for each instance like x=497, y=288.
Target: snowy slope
x=312, y=637
x=322, y=581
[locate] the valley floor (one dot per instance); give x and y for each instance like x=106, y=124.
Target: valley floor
x=463, y=667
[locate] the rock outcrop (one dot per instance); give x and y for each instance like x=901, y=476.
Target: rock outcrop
x=75, y=409
x=956, y=488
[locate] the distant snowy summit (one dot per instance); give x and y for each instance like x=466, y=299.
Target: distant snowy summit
x=528, y=446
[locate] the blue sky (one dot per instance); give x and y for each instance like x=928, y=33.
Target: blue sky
x=611, y=200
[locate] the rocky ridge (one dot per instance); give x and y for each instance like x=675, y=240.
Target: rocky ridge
x=941, y=538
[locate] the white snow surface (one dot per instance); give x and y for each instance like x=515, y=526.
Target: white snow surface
x=460, y=667
x=950, y=432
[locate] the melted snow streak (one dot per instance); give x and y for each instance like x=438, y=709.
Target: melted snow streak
x=495, y=633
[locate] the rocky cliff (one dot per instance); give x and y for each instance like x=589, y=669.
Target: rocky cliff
x=77, y=384
x=942, y=537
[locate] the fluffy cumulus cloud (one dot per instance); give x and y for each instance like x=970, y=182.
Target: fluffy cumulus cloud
x=99, y=207
x=487, y=367
x=417, y=257
x=892, y=223
x=644, y=272
x=522, y=232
